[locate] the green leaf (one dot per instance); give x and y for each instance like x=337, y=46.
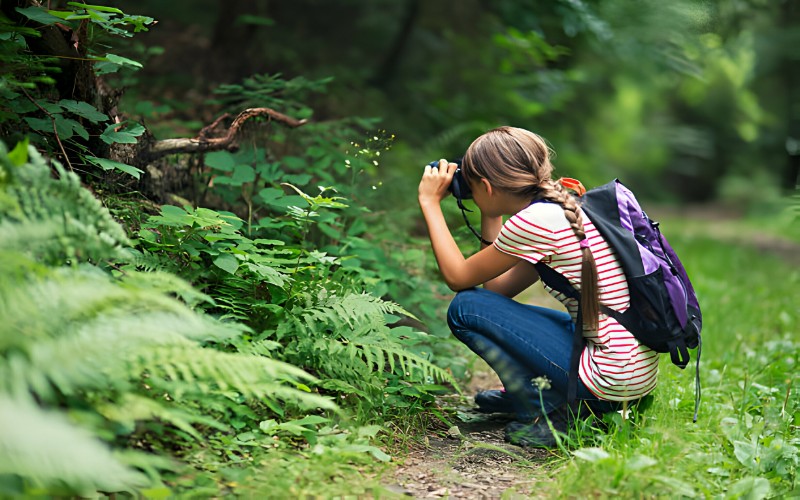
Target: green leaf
x=268, y=274
x=50, y=107
x=311, y=420
x=746, y=453
x=127, y=135
x=639, y=462
x=301, y=179
x=83, y=109
x=39, y=15
x=227, y=262
x=220, y=160
x=173, y=216
x=372, y=450
x=40, y=124
x=243, y=174
x=100, y=8
x=107, y=164
x=67, y=126
x=21, y=106
x=19, y=155
x=46, y=447
x=749, y=487
x=591, y=454
x=123, y=61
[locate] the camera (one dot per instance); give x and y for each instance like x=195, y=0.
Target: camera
x=459, y=186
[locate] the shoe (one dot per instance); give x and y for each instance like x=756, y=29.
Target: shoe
x=495, y=401
x=532, y=435
x=537, y=434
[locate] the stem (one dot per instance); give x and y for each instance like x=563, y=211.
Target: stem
x=55, y=130
x=786, y=399
x=306, y=229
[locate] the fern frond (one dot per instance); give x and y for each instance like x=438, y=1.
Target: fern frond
x=68, y=297
x=94, y=354
x=45, y=448
x=81, y=227
x=409, y=362
x=133, y=407
x=350, y=309
x=206, y=370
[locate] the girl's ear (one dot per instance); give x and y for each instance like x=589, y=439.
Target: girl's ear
x=487, y=186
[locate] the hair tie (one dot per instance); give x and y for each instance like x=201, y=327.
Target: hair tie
x=584, y=243
x=573, y=184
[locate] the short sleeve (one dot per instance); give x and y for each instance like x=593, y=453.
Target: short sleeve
x=523, y=238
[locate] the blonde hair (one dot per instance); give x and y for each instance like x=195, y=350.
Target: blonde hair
x=517, y=161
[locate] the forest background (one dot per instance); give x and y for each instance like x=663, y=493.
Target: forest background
x=194, y=293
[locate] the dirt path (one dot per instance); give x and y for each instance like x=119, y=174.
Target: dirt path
x=468, y=460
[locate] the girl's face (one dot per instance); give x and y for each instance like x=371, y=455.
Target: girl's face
x=483, y=196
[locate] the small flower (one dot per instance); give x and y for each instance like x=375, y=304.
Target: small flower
x=543, y=383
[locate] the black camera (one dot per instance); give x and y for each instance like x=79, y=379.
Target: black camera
x=459, y=186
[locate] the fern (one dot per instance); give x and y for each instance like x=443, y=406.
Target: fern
x=117, y=352
x=80, y=227
x=50, y=451
x=347, y=342
x=376, y=351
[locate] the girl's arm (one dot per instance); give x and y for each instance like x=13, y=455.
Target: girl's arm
x=516, y=279
x=459, y=273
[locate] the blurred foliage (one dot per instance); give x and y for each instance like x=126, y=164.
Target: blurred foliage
x=674, y=97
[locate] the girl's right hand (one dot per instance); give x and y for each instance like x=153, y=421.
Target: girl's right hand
x=435, y=181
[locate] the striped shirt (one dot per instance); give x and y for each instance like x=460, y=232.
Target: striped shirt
x=614, y=365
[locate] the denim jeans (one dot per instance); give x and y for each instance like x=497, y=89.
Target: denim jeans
x=521, y=342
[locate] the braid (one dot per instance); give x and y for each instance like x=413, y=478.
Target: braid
x=556, y=193
x=517, y=162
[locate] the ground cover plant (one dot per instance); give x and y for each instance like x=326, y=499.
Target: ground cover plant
x=745, y=443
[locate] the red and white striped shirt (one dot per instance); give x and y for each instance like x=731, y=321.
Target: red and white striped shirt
x=614, y=365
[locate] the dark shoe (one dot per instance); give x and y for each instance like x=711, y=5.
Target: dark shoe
x=538, y=434
x=494, y=401
x=533, y=435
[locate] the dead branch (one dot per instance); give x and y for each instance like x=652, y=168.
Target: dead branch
x=203, y=143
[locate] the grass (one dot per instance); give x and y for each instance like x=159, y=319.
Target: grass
x=745, y=443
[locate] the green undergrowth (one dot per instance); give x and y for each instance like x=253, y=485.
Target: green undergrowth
x=745, y=443
x=192, y=351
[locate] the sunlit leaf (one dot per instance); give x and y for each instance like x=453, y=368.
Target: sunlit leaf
x=591, y=454
x=227, y=262
x=107, y=164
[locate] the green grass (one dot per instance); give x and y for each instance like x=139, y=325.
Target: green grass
x=745, y=443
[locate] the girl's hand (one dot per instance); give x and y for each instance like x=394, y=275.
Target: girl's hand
x=435, y=181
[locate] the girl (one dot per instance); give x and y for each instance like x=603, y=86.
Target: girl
x=529, y=347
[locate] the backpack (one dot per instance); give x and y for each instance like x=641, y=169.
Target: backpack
x=664, y=313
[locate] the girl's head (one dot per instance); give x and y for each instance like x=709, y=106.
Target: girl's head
x=513, y=160
x=517, y=162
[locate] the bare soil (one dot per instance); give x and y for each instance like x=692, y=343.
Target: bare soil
x=468, y=460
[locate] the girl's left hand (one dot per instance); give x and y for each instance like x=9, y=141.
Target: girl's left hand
x=435, y=181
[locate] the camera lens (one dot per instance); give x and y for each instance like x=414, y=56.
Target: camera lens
x=458, y=186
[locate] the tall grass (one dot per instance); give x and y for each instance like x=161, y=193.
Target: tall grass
x=745, y=443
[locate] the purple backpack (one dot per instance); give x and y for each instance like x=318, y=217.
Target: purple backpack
x=664, y=313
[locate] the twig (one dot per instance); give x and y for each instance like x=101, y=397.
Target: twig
x=55, y=130
x=202, y=143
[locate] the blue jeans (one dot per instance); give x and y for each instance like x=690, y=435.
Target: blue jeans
x=520, y=342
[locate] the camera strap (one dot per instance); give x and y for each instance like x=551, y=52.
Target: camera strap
x=464, y=211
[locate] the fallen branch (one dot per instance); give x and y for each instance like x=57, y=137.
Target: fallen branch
x=203, y=143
